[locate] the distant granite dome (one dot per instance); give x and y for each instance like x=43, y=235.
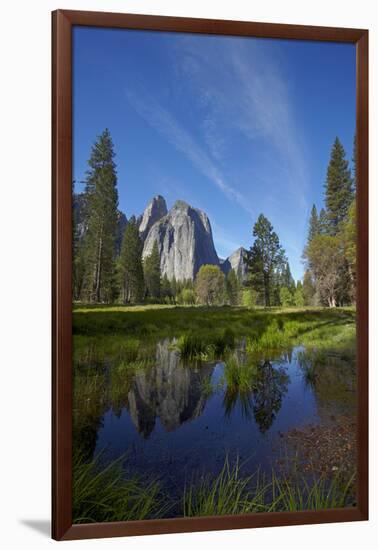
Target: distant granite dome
x=155, y=210
x=184, y=239
x=238, y=262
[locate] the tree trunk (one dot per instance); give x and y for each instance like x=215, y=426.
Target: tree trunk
x=98, y=274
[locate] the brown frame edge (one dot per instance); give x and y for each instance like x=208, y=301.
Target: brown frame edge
x=62, y=22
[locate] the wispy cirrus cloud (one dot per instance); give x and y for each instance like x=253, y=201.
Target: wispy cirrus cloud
x=239, y=84
x=166, y=124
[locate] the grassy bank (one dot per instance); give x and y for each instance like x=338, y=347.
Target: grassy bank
x=107, y=495
x=126, y=332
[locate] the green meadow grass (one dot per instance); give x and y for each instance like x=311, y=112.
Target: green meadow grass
x=206, y=333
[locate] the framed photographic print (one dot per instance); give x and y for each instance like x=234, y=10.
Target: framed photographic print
x=210, y=274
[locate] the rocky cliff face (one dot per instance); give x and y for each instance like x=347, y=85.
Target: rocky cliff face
x=155, y=210
x=238, y=262
x=185, y=241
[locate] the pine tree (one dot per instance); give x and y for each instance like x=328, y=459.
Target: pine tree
x=78, y=229
x=349, y=237
x=354, y=163
x=286, y=297
x=130, y=268
x=233, y=288
x=338, y=188
x=308, y=289
x=101, y=198
x=152, y=273
x=313, y=229
x=298, y=295
x=266, y=256
x=174, y=288
x=287, y=279
x=166, y=289
x=323, y=222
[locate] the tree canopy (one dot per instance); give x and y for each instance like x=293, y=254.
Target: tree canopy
x=266, y=257
x=101, y=200
x=210, y=285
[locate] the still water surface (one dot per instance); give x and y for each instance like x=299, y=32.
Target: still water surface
x=180, y=420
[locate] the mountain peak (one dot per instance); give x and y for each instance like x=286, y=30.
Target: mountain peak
x=238, y=262
x=180, y=205
x=155, y=210
x=184, y=240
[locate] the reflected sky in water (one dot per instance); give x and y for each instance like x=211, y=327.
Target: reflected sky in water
x=176, y=420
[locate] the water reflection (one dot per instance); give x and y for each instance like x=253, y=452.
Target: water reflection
x=164, y=411
x=170, y=391
x=263, y=399
x=271, y=386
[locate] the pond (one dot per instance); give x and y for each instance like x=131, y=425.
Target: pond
x=176, y=420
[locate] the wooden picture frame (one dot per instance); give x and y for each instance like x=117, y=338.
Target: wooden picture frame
x=62, y=23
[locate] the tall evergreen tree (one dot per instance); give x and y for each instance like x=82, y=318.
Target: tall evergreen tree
x=338, y=188
x=152, y=274
x=233, y=288
x=313, y=229
x=174, y=287
x=287, y=279
x=130, y=268
x=354, y=163
x=78, y=265
x=166, y=289
x=266, y=256
x=350, y=249
x=323, y=222
x=308, y=289
x=101, y=199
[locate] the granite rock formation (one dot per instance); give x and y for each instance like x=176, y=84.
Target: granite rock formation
x=155, y=210
x=184, y=239
x=238, y=262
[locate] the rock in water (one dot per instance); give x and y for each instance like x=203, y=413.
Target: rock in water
x=155, y=210
x=185, y=242
x=238, y=262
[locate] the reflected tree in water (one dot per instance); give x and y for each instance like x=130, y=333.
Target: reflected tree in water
x=270, y=387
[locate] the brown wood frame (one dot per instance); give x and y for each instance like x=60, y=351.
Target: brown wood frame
x=62, y=22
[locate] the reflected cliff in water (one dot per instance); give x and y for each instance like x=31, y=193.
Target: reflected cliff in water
x=170, y=391
x=171, y=417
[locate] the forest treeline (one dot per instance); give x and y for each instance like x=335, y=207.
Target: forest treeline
x=330, y=254
x=108, y=265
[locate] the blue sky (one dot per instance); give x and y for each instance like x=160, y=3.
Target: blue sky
x=234, y=126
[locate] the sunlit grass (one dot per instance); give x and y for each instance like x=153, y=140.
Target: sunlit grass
x=206, y=332
x=206, y=345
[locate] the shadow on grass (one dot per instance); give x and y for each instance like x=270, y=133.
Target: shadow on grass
x=176, y=320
